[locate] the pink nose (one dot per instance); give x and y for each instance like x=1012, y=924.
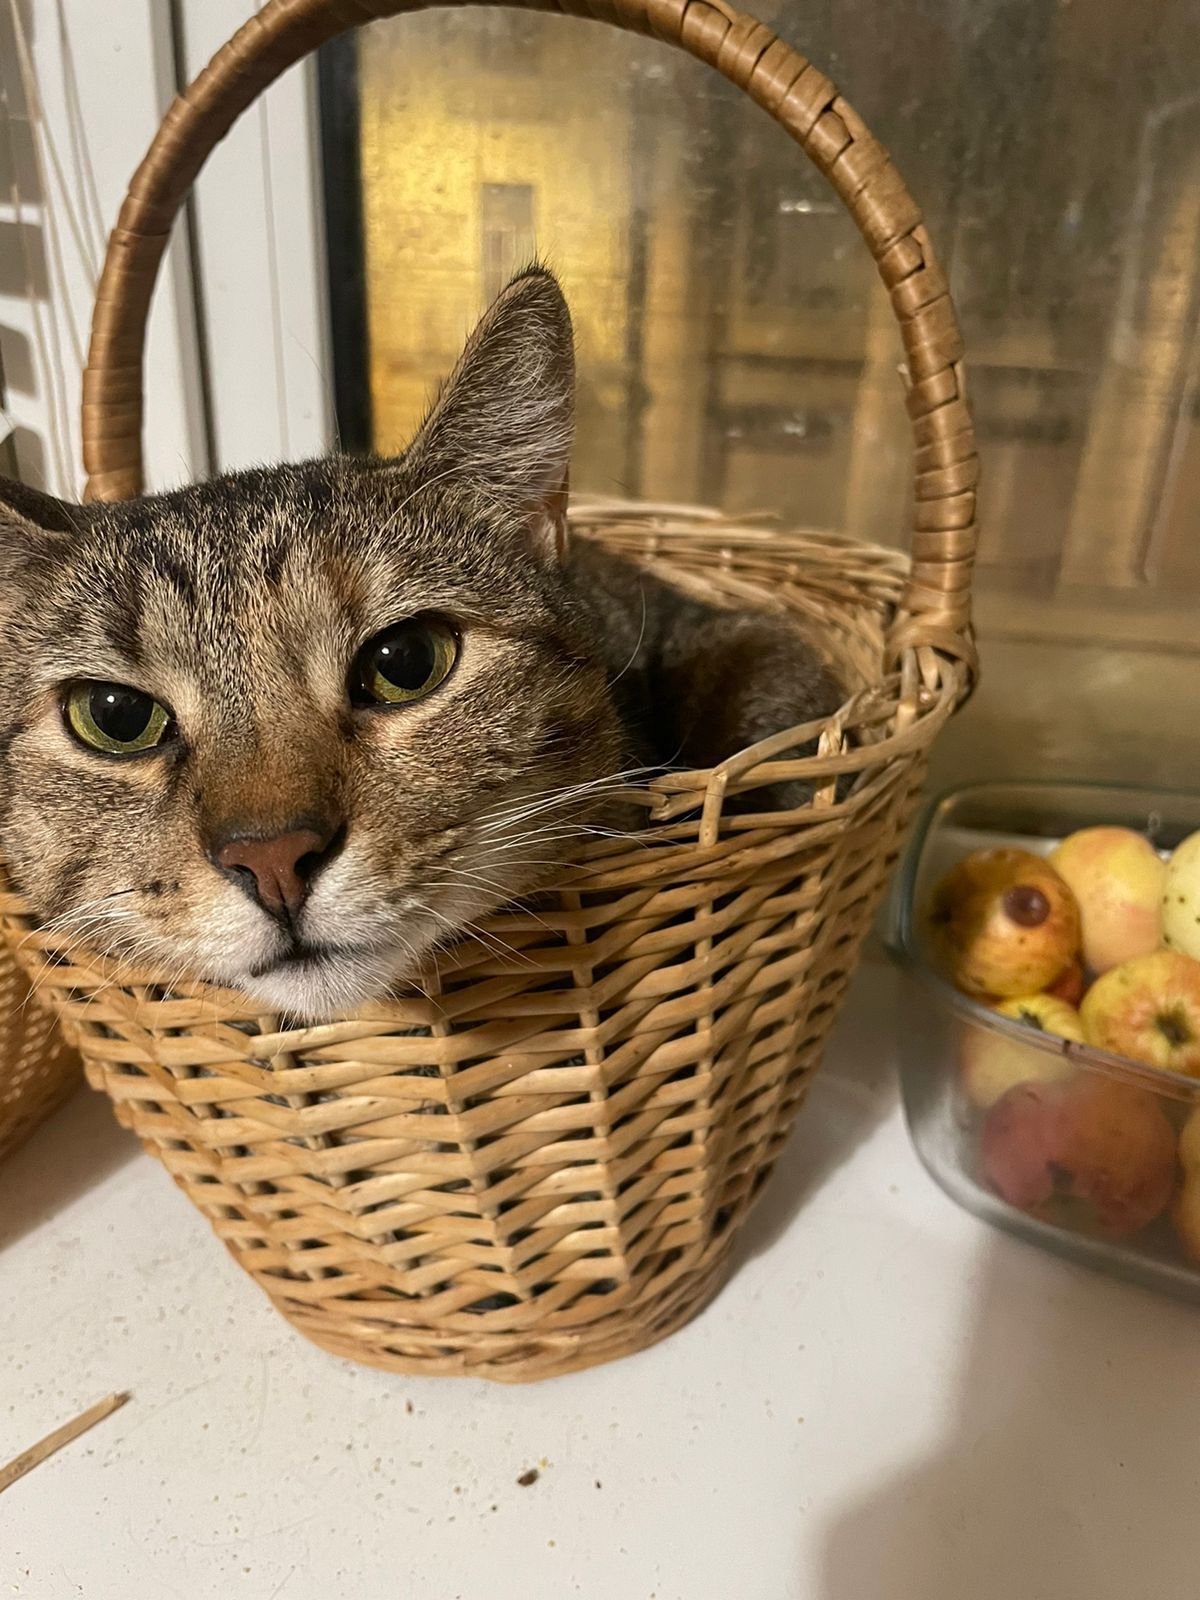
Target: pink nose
x=275, y=871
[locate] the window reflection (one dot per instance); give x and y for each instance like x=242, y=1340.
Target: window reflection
x=734, y=344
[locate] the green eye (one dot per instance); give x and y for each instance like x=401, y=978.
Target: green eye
x=114, y=719
x=405, y=662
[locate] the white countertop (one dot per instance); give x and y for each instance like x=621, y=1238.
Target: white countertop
x=889, y=1401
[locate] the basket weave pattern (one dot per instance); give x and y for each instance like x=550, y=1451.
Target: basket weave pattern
x=538, y=1161
x=38, y=1070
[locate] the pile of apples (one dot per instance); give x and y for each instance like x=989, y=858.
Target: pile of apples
x=1098, y=944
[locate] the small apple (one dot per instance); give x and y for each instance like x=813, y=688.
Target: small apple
x=1120, y=1147
x=1185, y=1213
x=1189, y=1143
x=1089, y=1152
x=1116, y=876
x=1002, y=923
x=1181, y=899
x=1017, y=1145
x=992, y=1063
x=1148, y=1010
x=1070, y=984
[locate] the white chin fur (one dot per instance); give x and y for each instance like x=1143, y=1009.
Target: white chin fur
x=322, y=989
x=318, y=990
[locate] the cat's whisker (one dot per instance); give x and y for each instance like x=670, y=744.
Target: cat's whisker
x=555, y=833
x=462, y=873
x=640, y=638
x=493, y=942
x=556, y=828
x=56, y=924
x=128, y=951
x=506, y=892
x=592, y=796
x=591, y=792
x=584, y=787
x=84, y=937
x=486, y=937
x=556, y=791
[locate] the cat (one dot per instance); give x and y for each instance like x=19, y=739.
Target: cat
x=289, y=729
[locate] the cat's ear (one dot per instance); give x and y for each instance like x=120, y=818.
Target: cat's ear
x=504, y=421
x=18, y=502
x=30, y=519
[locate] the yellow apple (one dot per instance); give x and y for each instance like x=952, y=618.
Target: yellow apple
x=1189, y=1144
x=1117, y=878
x=1185, y=1213
x=1002, y=923
x=1181, y=899
x=1148, y=1010
x=992, y=1063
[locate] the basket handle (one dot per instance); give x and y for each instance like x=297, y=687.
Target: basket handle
x=936, y=609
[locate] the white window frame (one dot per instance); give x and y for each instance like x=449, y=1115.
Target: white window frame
x=259, y=258
x=237, y=368
x=102, y=76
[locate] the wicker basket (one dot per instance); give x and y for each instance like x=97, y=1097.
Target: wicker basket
x=38, y=1070
x=540, y=1164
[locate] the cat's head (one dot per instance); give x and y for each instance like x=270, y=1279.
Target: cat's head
x=288, y=729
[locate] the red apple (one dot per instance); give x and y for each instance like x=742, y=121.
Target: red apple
x=1116, y=876
x=1070, y=984
x=1017, y=1145
x=1090, y=1148
x=1148, y=1010
x=1002, y=923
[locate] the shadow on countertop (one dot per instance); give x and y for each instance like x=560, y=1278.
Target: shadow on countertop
x=1069, y=1465
x=74, y=1149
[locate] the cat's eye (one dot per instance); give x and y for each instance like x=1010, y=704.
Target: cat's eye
x=114, y=719
x=405, y=662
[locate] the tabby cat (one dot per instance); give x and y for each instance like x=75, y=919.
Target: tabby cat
x=290, y=729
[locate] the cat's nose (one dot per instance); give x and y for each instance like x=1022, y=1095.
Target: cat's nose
x=276, y=871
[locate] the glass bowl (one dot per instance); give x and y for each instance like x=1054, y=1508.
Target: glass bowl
x=1111, y=1111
